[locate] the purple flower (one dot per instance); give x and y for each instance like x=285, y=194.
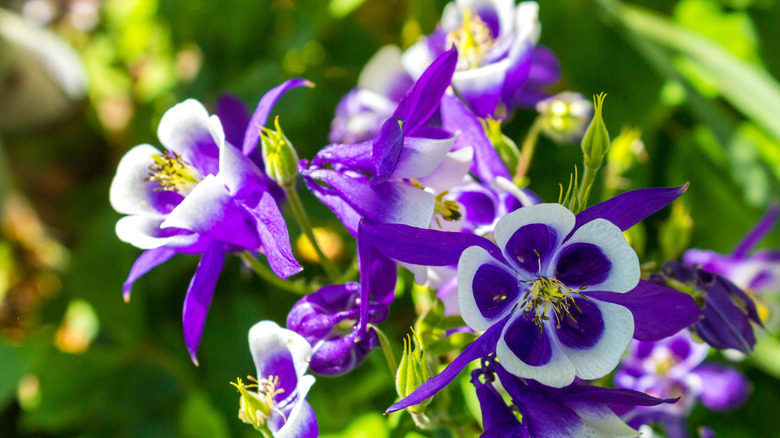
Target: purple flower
x=727, y=311
x=672, y=367
x=576, y=410
x=201, y=195
x=279, y=406
x=328, y=319
x=498, y=63
x=376, y=179
x=757, y=271
x=532, y=281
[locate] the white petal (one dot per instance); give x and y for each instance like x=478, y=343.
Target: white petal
x=469, y=263
x=624, y=273
x=144, y=231
x=598, y=361
x=600, y=421
x=557, y=373
x=420, y=156
x=451, y=172
x=130, y=193
x=380, y=71
x=416, y=59
x=556, y=216
x=267, y=340
x=186, y=130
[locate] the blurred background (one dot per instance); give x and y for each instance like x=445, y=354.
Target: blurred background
x=82, y=81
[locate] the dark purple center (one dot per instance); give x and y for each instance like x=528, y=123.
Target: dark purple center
x=531, y=244
x=582, y=264
x=524, y=340
x=494, y=289
x=585, y=329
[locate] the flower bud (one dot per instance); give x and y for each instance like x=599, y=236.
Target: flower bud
x=564, y=117
x=675, y=234
x=279, y=155
x=327, y=319
x=413, y=371
x=595, y=144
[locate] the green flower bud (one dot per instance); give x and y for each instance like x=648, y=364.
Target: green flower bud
x=413, y=371
x=564, y=117
x=675, y=234
x=595, y=144
x=279, y=155
x=506, y=148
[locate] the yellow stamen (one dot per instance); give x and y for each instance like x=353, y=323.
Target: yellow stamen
x=172, y=173
x=472, y=39
x=546, y=293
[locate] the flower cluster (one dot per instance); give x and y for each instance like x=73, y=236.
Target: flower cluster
x=547, y=296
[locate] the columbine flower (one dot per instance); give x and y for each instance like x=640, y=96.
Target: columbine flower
x=533, y=281
x=328, y=320
x=380, y=178
x=727, y=311
x=576, y=410
x=201, y=195
x=498, y=63
x=276, y=403
x=673, y=367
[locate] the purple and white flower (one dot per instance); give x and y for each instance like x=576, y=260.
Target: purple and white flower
x=202, y=194
x=673, y=367
x=499, y=62
x=279, y=405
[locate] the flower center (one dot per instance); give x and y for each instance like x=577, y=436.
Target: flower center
x=256, y=408
x=172, y=173
x=449, y=210
x=472, y=39
x=550, y=293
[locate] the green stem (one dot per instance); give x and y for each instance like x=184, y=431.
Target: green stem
x=303, y=220
x=386, y=349
x=527, y=151
x=588, y=177
x=297, y=287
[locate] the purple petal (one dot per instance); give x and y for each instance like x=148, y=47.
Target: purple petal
x=357, y=156
x=597, y=394
x=628, y=209
x=199, y=293
x=345, y=212
x=488, y=290
x=517, y=75
x=658, y=312
x=723, y=388
x=481, y=347
x=264, y=107
x=275, y=239
x=532, y=245
x=421, y=246
x=234, y=117
x=481, y=87
x=582, y=264
x=758, y=232
x=725, y=323
x=386, y=149
x=424, y=97
x=301, y=424
x=143, y=264
x=377, y=278
x=524, y=339
x=545, y=70
x=185, y=129
x=457, y=118
x=495, y=413
x=586, y=331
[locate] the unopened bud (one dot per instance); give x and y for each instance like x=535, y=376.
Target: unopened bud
x=413, y=371
x=675, y=234
x=279, y=155
x=565, y=116
x=595, y=144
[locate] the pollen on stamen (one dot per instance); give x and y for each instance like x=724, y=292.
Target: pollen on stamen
x=172, y=173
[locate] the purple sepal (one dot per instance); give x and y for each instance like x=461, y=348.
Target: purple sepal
x=386, y=149
x=619, y=396
x=658, y=311
x=234, y=117
x=628, y=209
x=423, y=99
x=545, y=70
x=145, y=263
x=758, y=232
x=481, y=347
x=723, y=388
x=457, y=118
x=421, y=246
x=358, y=156
x=272, y=230
x=348, y=216
x=199, y=293
x=260, y=117
x=377, y=279
x=497, y=419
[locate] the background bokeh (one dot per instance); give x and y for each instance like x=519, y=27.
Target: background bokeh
x=697, y=77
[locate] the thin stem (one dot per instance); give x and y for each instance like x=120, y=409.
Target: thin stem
x=297, y=287
x=588, y=177
x=527, y=150
x=303, y=220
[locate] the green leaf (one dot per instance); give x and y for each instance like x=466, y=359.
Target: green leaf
x=342, y=8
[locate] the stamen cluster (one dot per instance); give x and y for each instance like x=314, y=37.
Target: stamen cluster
x=172, y=173
x=546, y=293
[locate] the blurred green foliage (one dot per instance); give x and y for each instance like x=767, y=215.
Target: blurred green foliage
x=696, y=77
